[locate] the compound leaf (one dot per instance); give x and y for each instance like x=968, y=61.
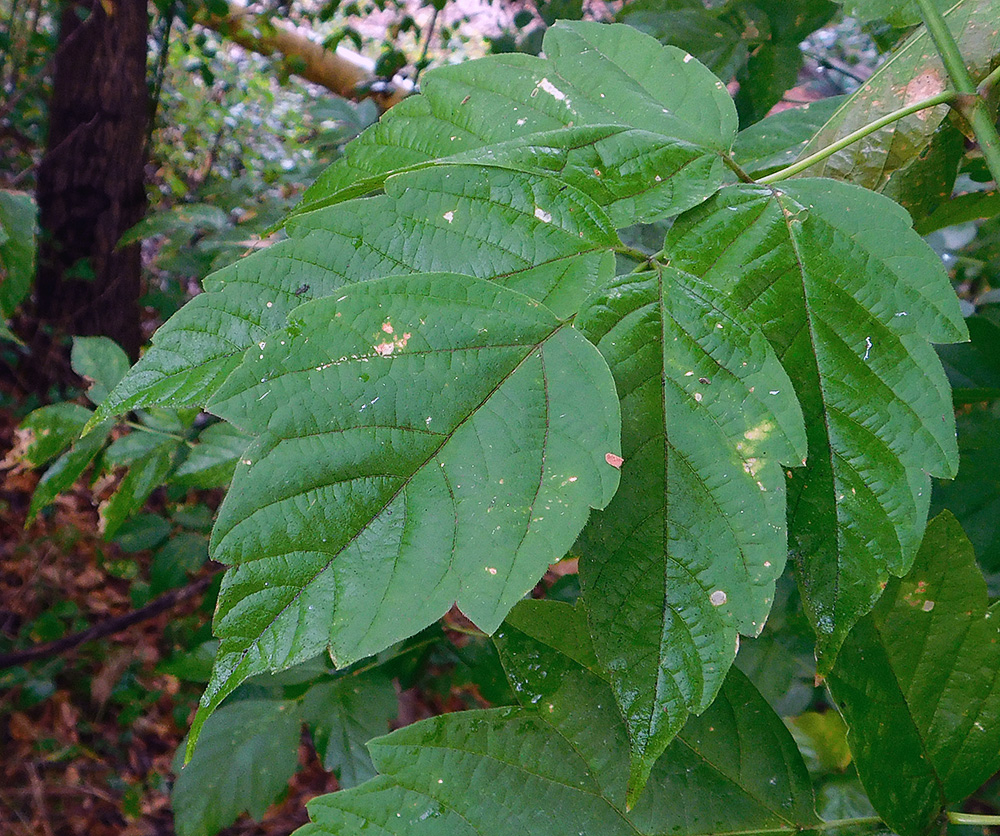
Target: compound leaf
x=850, y=298
x=420, y=441
x=709, y=415
x=917, y=683
x=557, y=764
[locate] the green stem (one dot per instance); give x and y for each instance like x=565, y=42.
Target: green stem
x=973, y=818
x=982, y=123
x=632, y=252
x=941, y=98
x=465, y=631
x=829, y=825
x=735, y=168
x=987, y=83
x=135, y=425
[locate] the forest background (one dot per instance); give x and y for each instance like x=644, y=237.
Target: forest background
x=143, y=147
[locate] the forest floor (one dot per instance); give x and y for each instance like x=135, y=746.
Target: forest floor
x=87, y=736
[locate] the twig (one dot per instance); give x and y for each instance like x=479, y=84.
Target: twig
x=973, y=818
x=165, y=602
x=427, y=45
x=160, y=74
x=38, y=797
x=839, y=66
x=987, y=83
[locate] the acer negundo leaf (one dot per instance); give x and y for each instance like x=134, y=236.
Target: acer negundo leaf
x=917, y=683
x=420, y=441
x=685, y=559
x=851, y=300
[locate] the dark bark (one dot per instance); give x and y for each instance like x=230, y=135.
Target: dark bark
x=90, y=180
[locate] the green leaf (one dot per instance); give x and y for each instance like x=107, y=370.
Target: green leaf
x=773, y=66
x=709, y=35
x=7, y=334
x=182, y=555
x=822, y=739
x=777, y=140
x=49, y=430
x=917, y=683
x=528, y=232
x=959, y=210
x=420, y=441
x=974, y=368
x=145, y=531
x=17, y=249
x=709, y=416
x=897, y=12
x=68, y=468
x=973, y=496
x=557, y=764
x=248, y=753
x=211, y=462
x=343, y=715
x=927, y=181
x=849, y=297
x=145, y=474
x=913, y=73
x=665, y=122
x=758, y=42
x=101, y=361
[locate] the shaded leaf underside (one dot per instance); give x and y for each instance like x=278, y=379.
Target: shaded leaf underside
x=913, y=73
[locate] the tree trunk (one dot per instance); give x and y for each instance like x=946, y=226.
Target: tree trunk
x=90, y=181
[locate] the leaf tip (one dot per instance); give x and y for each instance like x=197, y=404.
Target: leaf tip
x=201, y=715
x=95, y=419
x=639, y=769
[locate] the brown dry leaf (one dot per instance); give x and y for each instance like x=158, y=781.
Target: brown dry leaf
x=103, y=684
x=15, y=460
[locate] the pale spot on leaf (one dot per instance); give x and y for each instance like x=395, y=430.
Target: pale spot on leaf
x=552, y=90
x=614, y=460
